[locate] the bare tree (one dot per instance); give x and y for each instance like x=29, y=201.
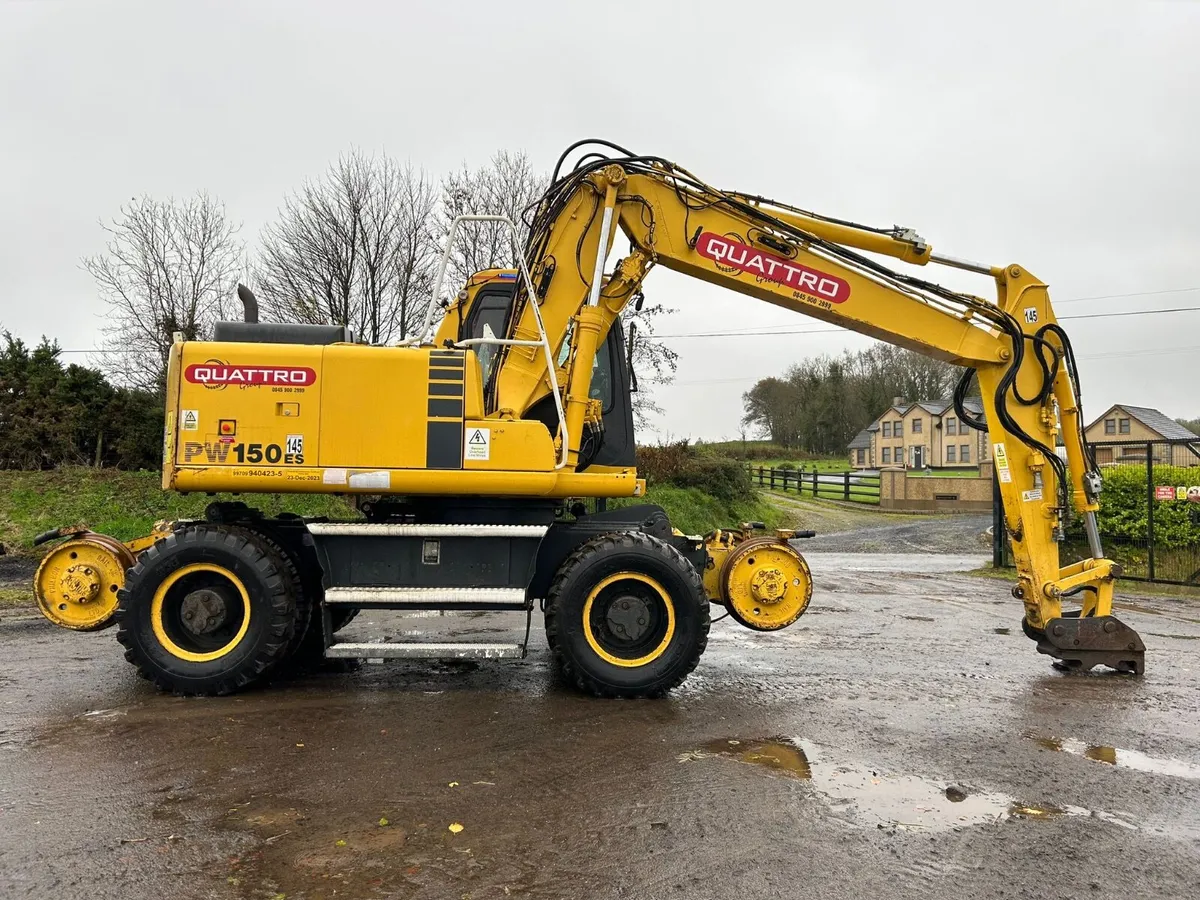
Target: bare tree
x=507, y=185
x=653, y=362
x=354, y=248
x=170, y=266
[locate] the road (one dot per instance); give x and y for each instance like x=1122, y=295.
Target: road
x=902, y=740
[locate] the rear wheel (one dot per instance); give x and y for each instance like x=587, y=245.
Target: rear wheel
x=626, y=616
x=207, y=610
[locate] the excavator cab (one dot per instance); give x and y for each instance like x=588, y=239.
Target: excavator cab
x=487, y=314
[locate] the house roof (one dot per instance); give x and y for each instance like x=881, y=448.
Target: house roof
x=1156, y=421
x=933, y=407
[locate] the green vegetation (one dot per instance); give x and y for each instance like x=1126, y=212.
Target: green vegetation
x=1124, y=508
x=54, y=415
x=122, y=504
x=700, y=491
x=693, y=511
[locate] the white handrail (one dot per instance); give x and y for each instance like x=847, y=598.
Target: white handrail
x=544, y=343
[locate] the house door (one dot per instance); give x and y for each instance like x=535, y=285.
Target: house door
x=918, y=457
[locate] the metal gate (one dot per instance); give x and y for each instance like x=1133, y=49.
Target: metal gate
x=1149, y=512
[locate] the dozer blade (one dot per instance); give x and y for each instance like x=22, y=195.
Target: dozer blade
x=1081, y=643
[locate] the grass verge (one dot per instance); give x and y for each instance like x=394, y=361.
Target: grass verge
x=122, y=504
x=693, y=511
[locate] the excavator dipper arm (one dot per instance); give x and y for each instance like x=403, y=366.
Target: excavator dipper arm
x=818, y=267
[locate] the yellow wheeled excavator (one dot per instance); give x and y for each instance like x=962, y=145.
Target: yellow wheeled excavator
x=485, y=451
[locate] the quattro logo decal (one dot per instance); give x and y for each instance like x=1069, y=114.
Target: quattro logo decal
x=219, y=375
x=733, y=255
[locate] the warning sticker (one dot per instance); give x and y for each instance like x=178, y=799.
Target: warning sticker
x=478, y=444
x=189, y=420
x=1000, y=455
x=1164, y=492
x=1035, y=494
x=295, y=444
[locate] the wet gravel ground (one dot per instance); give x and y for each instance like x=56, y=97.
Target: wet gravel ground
x=902, y=740
x=908, y=534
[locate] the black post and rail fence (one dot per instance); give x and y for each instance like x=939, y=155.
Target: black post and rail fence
x=850, y=487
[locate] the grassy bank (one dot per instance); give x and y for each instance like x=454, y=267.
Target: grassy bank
x=693, y=511
x=123, y=504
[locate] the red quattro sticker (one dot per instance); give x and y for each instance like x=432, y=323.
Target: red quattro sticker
x=218, y=374
x=733, y=255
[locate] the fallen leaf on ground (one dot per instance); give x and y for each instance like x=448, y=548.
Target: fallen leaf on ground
x=384, y=823
x=452, y=784
x=455, y=828
x=299, y=745
x=339, y=843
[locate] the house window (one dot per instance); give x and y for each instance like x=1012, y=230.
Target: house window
x=964, y=453
x=1124, y=426
x=1110, y=426
x=916, y=426
x=887, y=455
x=898, y=429
x=862, y=456
x=887, y=429
x=951, y=425
x=950, y=453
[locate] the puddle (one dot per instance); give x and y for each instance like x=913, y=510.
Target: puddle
x=1122, y=759
x=876, y=797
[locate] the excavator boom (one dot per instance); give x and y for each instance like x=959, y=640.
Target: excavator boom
x=817, y=266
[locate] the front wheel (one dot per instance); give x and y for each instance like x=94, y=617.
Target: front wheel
x=626, y=616
x=207, y=610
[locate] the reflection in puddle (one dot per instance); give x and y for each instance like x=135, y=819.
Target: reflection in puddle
x=875, y=797
x=1123, y=759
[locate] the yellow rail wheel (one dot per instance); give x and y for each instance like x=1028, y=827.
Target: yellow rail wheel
x=766, y=584
x=208, y=610
x=626, y=616
x=77, y=583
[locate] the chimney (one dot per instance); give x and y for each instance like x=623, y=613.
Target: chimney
x=898, y=401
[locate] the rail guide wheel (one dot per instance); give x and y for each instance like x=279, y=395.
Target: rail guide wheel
x=766, y=584
x=77, y=583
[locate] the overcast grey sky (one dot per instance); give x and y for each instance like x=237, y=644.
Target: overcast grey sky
x=1064, y=136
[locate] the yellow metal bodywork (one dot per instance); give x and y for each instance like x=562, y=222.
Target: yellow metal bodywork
x=763, y=581
x=668, y=606
x=365, y=416
x=164, y=595
x=347, y=418
x=77, y=581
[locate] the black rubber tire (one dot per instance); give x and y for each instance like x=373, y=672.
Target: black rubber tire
x=302, y=599
x=272, y=611
x=580, y=572
x=342, y=616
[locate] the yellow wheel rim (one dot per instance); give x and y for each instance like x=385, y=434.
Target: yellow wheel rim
x=77, y=582
x=766, y=584
x=656, y=592
x=167, y=611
